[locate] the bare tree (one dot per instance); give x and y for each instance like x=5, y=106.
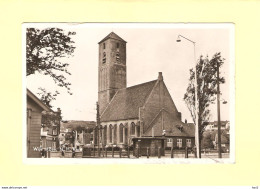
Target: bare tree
x=207, y=89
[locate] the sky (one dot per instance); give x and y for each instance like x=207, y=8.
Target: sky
x=151, y=48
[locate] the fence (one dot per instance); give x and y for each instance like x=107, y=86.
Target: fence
x=127, y=152
x=116, y=152
x=106, y=152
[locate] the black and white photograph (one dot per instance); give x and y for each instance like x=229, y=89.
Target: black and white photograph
x=129, y=92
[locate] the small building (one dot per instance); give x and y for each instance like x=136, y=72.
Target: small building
x=37, y=133
x=152, y=144
x=213, y=126
x=181, y=136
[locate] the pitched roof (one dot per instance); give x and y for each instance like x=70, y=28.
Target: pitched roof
x=38, y=101
x=126, y=102
x=176, y=128
x=187, y=131
x=215, y=123
x=112, y=35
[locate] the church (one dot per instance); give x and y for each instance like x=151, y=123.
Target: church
x=141, y=111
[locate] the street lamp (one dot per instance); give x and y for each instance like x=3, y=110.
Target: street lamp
x=196, y=97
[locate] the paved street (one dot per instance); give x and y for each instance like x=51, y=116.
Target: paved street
x=124, y=155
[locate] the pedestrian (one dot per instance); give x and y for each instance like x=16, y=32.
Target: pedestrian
x=62, y=153
x=73, y=152
x=42, y=153
x=195, y=151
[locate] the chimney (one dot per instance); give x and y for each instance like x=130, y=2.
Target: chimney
x=58, y=111
x=160, y=76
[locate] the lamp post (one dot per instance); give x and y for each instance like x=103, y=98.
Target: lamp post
x=218, y=107
x=196, y=97
x=98, y=128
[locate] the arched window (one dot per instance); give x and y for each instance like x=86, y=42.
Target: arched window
x=104, y=57
x=105, y=135
x=126, y=135
x=115, y=134
x=132, y=128
x=100, y=135
x=110, y=133
x=121, y=129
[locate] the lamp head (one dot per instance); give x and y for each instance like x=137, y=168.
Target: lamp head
x=178, y=39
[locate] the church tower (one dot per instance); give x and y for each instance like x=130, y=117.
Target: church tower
x=111, y=68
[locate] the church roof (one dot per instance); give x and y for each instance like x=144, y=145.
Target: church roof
x=175, y=128
x=112, y=35
x=126, y=102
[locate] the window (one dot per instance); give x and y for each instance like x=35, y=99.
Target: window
x=105, y=135
x=54, y=146
x=110, y=133
x=104, y=57
x=169, y=140
x=104, y=45
x=54, y=131
x=126, y=133
x=117, y=56
x=121, y=129
x=188, y=143
x=41, y=143
x=117, y=45
x=179, y=142
x=115, y=134
x=132, y=129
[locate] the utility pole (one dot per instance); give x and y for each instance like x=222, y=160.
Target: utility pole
x=98, y=128
x=218, y=106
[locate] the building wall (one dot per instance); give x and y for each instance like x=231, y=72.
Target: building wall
x=174, y=139
x=157, y=104
x=126, y=126
x=33, y=128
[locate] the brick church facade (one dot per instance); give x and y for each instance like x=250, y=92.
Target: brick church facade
x=141, y=111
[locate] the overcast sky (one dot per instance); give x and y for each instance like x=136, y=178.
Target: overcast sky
x=151, y=48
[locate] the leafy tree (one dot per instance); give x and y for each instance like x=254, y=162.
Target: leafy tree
x=45, y=51
x=47, y=97
x=80, y=128
x=207, y=141
x=207, y=89
x=49, y=119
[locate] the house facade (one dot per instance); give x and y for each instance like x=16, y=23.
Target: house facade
x=50, y=130
x=39, y=133
x=213, y=126
x=144, y=110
